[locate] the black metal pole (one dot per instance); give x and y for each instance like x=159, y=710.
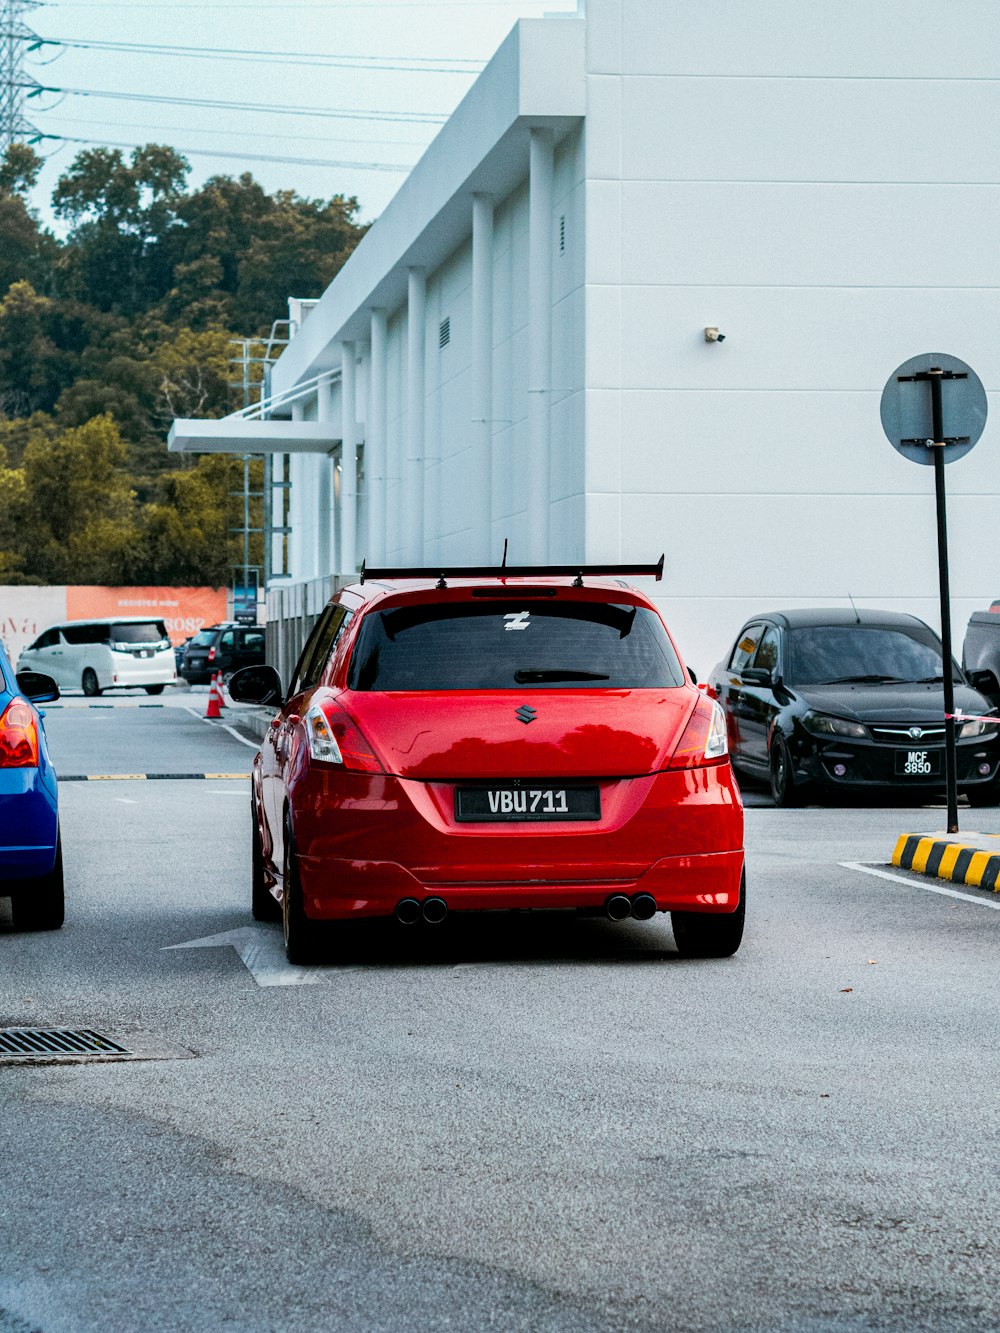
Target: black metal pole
x=942, y=536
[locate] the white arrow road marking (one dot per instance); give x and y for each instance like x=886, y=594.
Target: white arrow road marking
x=263, y=953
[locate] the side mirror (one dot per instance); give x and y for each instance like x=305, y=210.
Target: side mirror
x=985, y=682
x=37, y=688
x=694, y=675
x=757, y=676
x=256, y=685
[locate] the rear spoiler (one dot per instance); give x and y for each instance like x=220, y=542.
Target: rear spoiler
x=575, y=572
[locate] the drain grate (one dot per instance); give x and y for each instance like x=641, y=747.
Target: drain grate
x=44, y=1043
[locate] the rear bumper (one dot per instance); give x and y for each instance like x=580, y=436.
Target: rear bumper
x=364, y=843
x=29, y=825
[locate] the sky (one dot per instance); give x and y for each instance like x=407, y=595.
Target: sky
x=371, y=59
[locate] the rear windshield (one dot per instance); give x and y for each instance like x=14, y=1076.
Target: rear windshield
x=204, y=638
x=831, y=654
x=147, y=631
x=84, y=633
x=504, y=645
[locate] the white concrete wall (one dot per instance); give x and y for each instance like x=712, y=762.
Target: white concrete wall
x=824, y=188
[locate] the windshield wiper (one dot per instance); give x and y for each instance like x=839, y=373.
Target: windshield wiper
x=938, y=680
x=529, y=674
x=872, y=679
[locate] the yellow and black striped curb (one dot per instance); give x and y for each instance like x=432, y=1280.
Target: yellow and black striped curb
x=148, y=777
x=947, y=859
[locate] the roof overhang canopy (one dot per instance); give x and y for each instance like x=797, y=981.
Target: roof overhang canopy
x=234, y=436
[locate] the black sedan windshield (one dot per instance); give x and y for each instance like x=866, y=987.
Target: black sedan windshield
x=834, y=654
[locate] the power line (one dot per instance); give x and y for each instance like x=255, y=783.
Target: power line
x=345, y=4
x=331, y=113
x=394, y=168
x=238, y=55
x=241, y=134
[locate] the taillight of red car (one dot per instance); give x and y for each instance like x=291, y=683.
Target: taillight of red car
x=335, y=738
x=18, y=736
x=704, y=741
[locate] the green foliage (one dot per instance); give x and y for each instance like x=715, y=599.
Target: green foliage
x=108, y=335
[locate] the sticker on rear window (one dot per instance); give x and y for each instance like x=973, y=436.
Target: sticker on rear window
x=518, y=620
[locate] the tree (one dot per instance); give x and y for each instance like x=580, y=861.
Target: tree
x=32, y=367
x=121, y=214
x=27, y=253
x=298, y=250
x=78, y=520
x=187, y=537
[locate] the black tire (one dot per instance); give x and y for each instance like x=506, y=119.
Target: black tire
x=153, y=689
x=301, y=934
x=708, y=934
x=39, y=904
x=262, y=904
x=987, y=794
x=89, y=683
x=784, y=792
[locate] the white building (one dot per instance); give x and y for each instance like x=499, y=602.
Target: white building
x=517, y=348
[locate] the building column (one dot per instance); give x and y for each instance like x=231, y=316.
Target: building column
x=298, y=487
x=376, y=460
x=539, y=340
x=481, y=491
x=413, y=472
x=325, y=547
x=348, y=463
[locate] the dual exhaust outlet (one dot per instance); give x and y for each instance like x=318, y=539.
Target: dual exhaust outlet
x=620, y=908
x=432, y=910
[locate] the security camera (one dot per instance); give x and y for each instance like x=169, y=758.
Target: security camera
x=712, y=335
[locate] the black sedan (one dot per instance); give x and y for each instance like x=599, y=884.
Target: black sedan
x=851, y=699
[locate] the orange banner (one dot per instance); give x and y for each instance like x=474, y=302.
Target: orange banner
x=183, y=610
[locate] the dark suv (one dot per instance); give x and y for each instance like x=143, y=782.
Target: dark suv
x=223, y=648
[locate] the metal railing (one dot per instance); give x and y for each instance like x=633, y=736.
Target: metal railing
x=292, y=610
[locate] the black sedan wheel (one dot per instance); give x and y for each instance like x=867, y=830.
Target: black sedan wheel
x=784, y=792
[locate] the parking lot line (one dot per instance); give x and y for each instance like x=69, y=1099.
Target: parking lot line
x=919, y=884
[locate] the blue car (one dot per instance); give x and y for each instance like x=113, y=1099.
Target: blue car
x=31, y=871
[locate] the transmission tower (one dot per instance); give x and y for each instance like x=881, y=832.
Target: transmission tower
x=15, y=86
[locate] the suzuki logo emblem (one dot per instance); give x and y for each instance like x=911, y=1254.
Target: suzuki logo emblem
x=916, y=733
x=525, y=714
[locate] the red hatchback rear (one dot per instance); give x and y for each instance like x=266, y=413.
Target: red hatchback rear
x=479, y=741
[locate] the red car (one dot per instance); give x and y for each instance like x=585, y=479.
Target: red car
x=482, y=739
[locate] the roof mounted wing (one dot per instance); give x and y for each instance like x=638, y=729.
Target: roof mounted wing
x=576, y=572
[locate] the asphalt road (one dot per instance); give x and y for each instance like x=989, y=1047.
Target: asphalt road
x=517, y=1123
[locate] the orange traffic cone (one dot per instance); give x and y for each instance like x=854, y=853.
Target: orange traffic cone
x=220, y=690
x=213, y=710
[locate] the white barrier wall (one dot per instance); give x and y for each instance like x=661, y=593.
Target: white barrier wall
x=824, y=189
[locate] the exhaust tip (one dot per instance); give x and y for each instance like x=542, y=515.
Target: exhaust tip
x=618, y=907
x=435, y=910
x=643, y=906
x=408, y=912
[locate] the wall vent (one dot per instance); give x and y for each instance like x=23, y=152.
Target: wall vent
x=444, y=332
x=562, y=234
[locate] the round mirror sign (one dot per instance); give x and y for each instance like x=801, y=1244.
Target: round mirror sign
x=933, y=398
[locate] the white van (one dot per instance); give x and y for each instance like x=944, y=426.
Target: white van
x=98, y=655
